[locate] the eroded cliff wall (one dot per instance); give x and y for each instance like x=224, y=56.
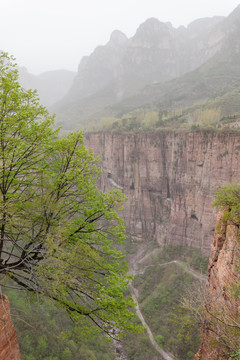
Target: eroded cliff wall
x=169, y=180
x=221, y=316
x=9, y=349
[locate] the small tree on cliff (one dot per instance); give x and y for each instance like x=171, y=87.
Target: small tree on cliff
x=56, y=227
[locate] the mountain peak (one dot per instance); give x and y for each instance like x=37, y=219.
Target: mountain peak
x=153, y=26
x=118, y=38
x=153, y=33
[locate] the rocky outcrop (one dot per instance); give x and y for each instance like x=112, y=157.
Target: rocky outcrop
x=9, y=349
x=221, y=317
x=169, y=180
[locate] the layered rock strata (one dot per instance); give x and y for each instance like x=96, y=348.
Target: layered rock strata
x=9, y=349
x=221, y=320
x=169, y=180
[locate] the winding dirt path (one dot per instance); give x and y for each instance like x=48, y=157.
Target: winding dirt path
x=190, y=271
x=134, y=294
x=180, y=263
x=164, y=354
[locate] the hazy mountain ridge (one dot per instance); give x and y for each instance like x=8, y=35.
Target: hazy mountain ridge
x=98, y=69
x=214, y=84
x=159, y=68
x=51, y=85
x=155, y=54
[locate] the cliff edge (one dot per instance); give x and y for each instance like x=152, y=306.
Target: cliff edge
x=221, y=310
x=9, y=349
x=169, y=179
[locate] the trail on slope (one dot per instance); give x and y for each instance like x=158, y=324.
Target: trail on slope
x=140, y=257
x=134, y=294
x=164, y=354
x=180, y=263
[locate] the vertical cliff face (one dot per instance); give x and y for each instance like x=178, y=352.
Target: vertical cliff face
x=9, y=349
x=169, y=180
x=221, y=322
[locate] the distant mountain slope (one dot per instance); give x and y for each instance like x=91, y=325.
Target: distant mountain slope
x=155, y=54
x=216, y=81
x=98, y=69
x=51, y=85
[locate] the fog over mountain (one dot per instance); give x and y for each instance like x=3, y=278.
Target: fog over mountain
x=51, y=35
x=51, y=85
x=113, y=78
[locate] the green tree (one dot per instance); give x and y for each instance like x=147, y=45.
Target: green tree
x=67, y=354
x=42, y=346
x=57, y=230
x=228, y=198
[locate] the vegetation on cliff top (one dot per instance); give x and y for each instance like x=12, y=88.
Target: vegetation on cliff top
x=228, y=198
x=194, y=118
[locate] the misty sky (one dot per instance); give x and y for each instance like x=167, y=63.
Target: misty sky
x=54, y=34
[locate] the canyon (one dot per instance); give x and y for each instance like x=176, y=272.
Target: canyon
x=169, y=179
x=152, y=90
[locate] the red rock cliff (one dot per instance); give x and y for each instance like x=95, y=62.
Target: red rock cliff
x=9, y=349
x=169, y=180
x=221, y=322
